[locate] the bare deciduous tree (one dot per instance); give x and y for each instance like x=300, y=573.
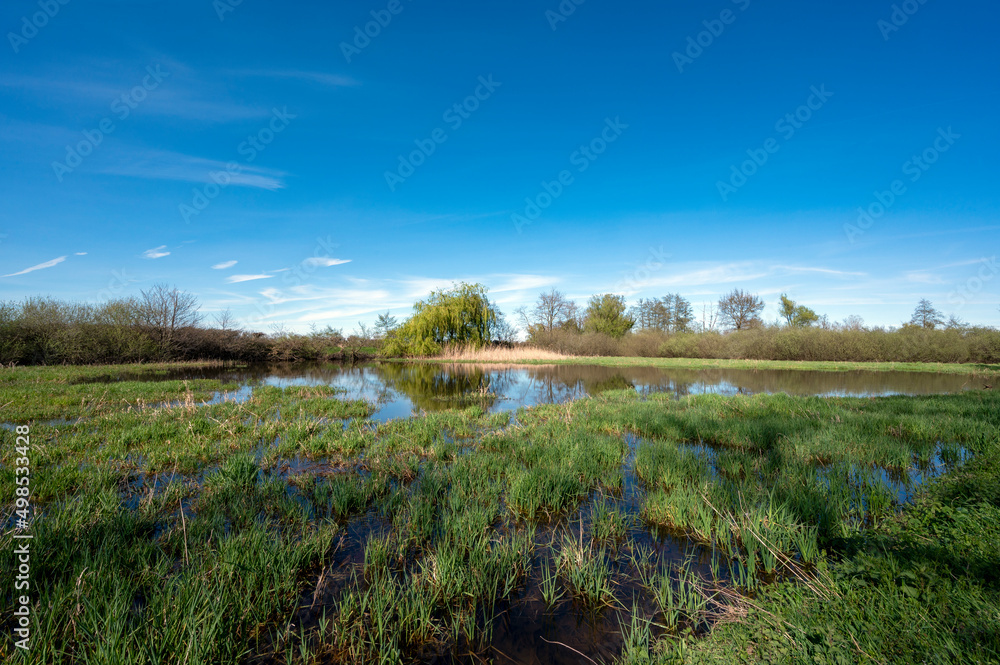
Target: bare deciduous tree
x=925, y=316
x=955, y=322
x=709, y=318
x=551, y=311
x=741, y=309
x=165, y=310
x=670, y=314
x=504, y=332
x=224, y=320
x=853, y=322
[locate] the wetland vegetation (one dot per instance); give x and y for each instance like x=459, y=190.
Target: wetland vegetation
x=190, y=515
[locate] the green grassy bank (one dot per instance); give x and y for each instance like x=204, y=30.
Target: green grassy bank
x=698, y=363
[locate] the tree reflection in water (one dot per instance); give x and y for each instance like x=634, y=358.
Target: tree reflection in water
x=401, y=388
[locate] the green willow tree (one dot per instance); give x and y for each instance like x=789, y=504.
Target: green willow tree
x=461, y=315
x=798, y=316
x=608, y=314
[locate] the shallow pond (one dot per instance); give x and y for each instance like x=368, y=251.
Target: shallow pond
x=402, y=389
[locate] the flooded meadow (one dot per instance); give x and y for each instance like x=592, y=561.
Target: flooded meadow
x=455, y=513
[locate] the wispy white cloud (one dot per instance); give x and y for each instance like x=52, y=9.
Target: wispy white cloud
x=182, y=104
x=235, y=279
x=690, y=276
x=224, y=265
x=182, y=93
x=311, y=292
x=523, y=283
x=155, y=253
x=65, y=88
x=721, y=274
x=13, y=130
x=919, y=277
x=324, y=261
x=79, y=253
x=40, y=266
x=162, y=165
x=823, y=271
x=323, y=78
x=419, y=287
x=338, y=314
x=961, y=264
x=941, y=232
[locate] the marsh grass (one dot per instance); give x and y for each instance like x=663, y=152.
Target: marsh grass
x=204, y=533
x=637, y=636
x=607, y=524
x=585, y=570
x=549, y=585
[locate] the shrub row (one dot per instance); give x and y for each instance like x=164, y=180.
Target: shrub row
x=907, y=344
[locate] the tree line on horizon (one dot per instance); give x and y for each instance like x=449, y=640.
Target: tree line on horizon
x=164, y=323
x=669, y=327
x=673, y=314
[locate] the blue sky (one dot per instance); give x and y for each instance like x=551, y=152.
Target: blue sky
x=269, y=159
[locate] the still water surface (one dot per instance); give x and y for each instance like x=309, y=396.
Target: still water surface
x=402, y=389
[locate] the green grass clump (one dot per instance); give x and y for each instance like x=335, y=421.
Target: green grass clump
x=684, y=508
x=239, y=472
x=345, y=495
x=545, y=491
x=607, y=525
x=586, y=572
